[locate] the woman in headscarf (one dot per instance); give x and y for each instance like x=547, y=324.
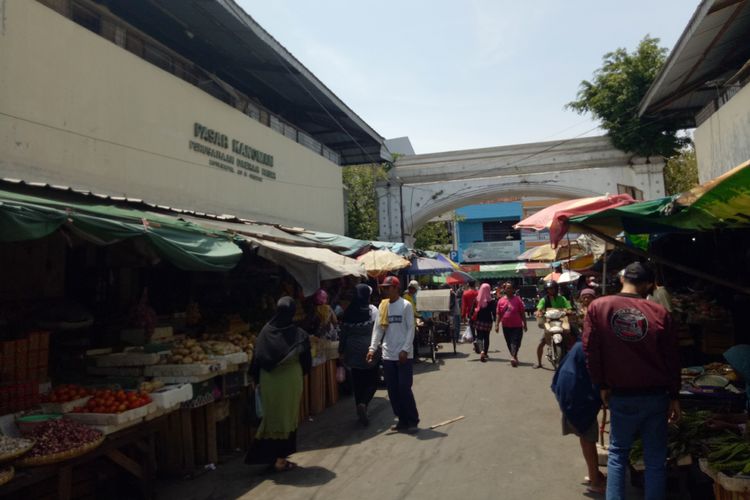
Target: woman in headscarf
x=281, y=359
x=324, y=315
x=484, y=317
x=355, y=336
x=511, y=314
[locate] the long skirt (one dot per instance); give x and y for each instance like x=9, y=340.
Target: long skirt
x=281, y=390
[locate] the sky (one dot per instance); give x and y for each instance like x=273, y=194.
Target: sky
x=458, y=75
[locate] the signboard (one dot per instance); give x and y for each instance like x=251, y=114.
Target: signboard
x=491, y=251
x=231, y=155
x=454, y=255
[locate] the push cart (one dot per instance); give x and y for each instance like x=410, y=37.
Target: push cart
x=435, y=323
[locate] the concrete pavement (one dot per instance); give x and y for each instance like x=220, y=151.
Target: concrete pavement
x=507, y=446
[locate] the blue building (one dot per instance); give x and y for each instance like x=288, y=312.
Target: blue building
x=484, y=233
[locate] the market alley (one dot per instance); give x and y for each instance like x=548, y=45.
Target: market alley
x=507, y=446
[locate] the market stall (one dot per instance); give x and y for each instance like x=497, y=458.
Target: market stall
x=126, y=335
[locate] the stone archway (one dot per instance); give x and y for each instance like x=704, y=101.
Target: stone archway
x=424, y=186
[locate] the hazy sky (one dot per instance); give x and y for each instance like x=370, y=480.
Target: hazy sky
x=487, y=73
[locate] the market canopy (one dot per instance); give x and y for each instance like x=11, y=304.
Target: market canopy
x=555, y=217
x=564, y=251
x=187, y=245
x=722, y=203
x=308, y=265
x=378, y=262
x=352, y=246
x=426, y=265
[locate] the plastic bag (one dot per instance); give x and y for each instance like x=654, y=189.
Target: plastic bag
x=340, y=374
x=258, y=404
x=467, y=337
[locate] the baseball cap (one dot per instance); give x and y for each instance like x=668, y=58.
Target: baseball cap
x=414, y=284
x=391, y=281
x=639, y=273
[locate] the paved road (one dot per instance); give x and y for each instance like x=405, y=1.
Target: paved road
x=508, y=446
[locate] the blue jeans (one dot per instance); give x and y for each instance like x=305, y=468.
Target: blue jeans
x=632, y=416
x=398, y=380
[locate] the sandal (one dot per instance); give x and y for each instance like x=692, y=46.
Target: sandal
x=287, y=467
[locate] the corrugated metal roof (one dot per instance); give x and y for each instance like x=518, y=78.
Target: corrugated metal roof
x=710, y=51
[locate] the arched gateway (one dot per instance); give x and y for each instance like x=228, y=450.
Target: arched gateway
x=424, y=186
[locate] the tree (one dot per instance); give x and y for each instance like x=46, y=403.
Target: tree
x=362, y=201
x=433, y=236
x=681, y=172
x=613, y=97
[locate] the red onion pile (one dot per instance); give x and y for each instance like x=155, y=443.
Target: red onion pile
x=56, y=436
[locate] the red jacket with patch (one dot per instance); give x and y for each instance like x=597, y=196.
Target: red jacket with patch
x=630, y=346
x=468, y=300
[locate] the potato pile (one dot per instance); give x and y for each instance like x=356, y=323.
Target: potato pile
x=152, y=386
x=187, y=352
x=219, y=347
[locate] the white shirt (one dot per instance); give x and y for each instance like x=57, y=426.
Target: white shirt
x=399, y=336
x=373, y=313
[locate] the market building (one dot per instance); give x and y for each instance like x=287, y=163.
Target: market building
x=704, y=83
x=149, y=100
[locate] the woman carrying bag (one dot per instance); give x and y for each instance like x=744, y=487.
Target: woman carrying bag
x=281, y=359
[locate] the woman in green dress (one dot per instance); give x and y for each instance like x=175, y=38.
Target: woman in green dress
x=282, y=357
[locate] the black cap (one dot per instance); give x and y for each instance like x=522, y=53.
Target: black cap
x=639, y=273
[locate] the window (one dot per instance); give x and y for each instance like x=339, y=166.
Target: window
x=500, y=230
x=635, y=193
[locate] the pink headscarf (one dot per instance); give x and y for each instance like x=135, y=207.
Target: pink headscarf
x=484, y=296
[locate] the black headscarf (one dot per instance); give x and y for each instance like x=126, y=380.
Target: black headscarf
x=359, y=309
x=278, y=339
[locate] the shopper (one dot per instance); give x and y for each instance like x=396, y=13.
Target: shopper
x=354, y=343
x=511, y=314
x=551, y=300
x=468, y=301
x=585, y=298
x=484, y=317
x=580, y=402
x=281, y=359
x=631, y=351
x=394, y=329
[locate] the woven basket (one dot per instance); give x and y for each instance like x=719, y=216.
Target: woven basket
x=6, y=475
x=60, y=457
x=12, y=456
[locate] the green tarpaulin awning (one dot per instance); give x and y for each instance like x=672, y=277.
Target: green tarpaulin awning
x=187, y=245
x=723, y=203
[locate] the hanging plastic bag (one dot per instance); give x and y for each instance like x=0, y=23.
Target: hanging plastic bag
x=258, y=404
x=467, y=337
x=340, y=374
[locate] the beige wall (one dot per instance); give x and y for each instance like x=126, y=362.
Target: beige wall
x=86, y=113
x=723, y=141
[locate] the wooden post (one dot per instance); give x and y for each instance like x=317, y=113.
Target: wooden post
x=212, y=453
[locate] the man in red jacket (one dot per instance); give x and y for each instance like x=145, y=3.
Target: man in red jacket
x=468, y=301
x=631, y=353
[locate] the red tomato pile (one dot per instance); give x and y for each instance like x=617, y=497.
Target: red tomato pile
x=109, y=401
x=66, y=392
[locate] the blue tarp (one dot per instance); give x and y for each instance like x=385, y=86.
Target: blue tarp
x=353, y=246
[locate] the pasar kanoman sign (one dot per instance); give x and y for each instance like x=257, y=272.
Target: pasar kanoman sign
x=231, y=155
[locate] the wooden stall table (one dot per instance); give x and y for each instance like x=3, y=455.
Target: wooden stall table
x=131, y=450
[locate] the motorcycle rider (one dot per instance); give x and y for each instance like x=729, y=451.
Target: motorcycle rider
x=551, y=300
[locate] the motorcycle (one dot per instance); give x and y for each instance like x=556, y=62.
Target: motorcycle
x=556, y=331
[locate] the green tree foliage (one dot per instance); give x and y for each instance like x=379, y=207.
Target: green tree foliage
x=433, y=236
x=681, y=172
x=613, y=97
x=362, y=201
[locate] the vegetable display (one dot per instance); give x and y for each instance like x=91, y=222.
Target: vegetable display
x=65, y=392
x=10, y=446
x=57, y=436
x=729, y=453
x=109, y=401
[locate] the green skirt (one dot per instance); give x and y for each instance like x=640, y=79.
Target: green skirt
x=280, y=393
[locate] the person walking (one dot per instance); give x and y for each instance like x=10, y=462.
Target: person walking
x=484, y=317
x=394, y=332
x=510, y=313
x=354, y=343
x=580, y=403
x=551, y=300
x=631, y=353
x=282, y=357
x=468, y=301
x=411, y=296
